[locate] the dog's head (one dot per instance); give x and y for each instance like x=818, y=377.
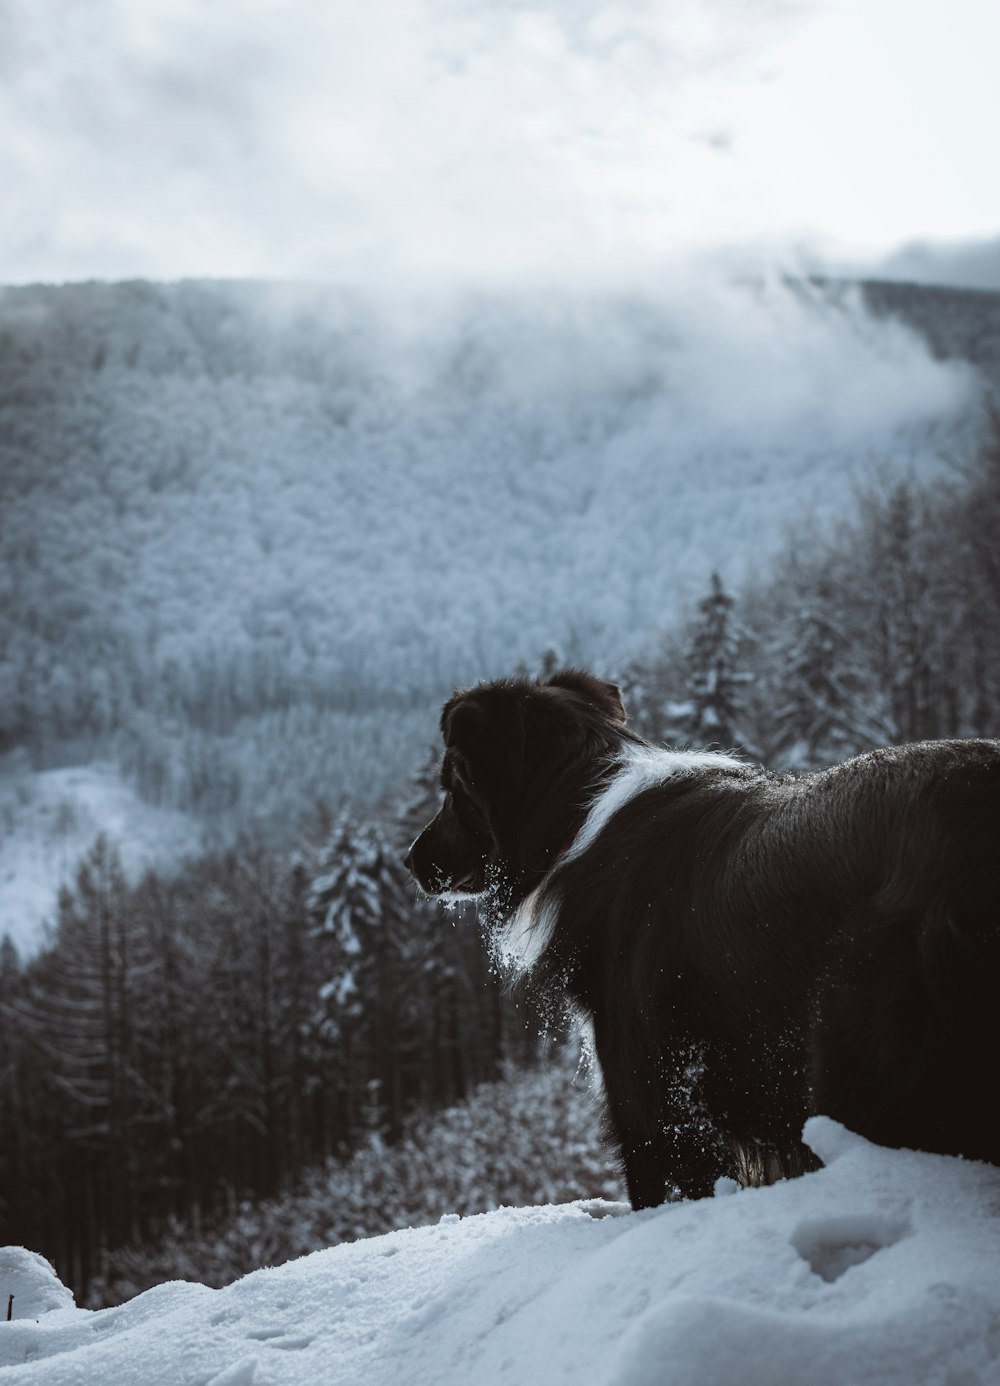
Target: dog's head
x=520, y=759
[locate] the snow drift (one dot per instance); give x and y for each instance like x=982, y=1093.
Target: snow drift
x=882, y=1267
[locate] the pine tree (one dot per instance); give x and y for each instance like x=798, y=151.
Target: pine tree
x=905, y=614
x=653, y=692
x=358, y=904
x=716, y=673
x=79, y=1014
x=12, y=1134
x=815, y=691
x=87, y=997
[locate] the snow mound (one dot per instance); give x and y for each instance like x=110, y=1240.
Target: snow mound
x=882, y=1267
x=29, y=1285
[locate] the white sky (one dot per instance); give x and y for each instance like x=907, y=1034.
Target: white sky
x=358, y=139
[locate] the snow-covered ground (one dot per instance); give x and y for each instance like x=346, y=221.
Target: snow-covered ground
x=882, y=1267
x=50, y=819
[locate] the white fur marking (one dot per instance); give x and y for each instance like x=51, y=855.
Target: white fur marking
x=642, y=767
x=527, y=935
x=589, y=1065
x=525, y=938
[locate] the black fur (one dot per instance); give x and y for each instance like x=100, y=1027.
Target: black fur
x=750, y=948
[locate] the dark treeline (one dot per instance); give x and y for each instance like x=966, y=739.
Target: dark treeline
x=185, y=1044
x=530, y=1138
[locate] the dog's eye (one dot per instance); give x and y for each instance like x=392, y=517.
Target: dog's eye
x=461, y=773
x=461, y=797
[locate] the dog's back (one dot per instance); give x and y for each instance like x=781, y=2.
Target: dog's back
x=792, y=945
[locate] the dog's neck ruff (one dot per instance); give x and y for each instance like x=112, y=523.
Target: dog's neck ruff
x=640, y=768
x=528, y=932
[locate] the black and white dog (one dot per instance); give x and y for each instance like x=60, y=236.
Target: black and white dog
x=749, y=948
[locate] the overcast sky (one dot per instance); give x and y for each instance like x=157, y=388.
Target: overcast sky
x=493, y=139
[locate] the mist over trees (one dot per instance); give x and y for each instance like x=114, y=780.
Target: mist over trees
x=880, y=629
x=251, y=536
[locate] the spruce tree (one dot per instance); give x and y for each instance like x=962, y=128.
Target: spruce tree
x=357, y=903
x=815, y=687
x=716, y=676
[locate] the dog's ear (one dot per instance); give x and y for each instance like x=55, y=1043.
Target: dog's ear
x=462, y=719
x=607, y=696
x=485, y=727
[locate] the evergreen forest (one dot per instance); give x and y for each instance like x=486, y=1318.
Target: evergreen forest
x=199, y=1044
x=253, y=534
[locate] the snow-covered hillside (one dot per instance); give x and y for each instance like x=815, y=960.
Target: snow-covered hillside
x=883, y=1267
x=50, y=818
x=243, y=497
x=254, y=533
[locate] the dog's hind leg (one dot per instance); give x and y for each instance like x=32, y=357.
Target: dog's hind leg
x=906, y=1034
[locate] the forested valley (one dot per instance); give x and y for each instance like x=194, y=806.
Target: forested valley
x=190, y=1045
x=252, y=534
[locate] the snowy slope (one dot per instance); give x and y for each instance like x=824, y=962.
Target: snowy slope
x=883, y=1267
x=323, y=493
x=50, y=819
x=255, y=533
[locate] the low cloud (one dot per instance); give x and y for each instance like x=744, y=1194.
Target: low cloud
x=965, y=264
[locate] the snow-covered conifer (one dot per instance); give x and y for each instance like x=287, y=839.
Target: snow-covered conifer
x=717, y=672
